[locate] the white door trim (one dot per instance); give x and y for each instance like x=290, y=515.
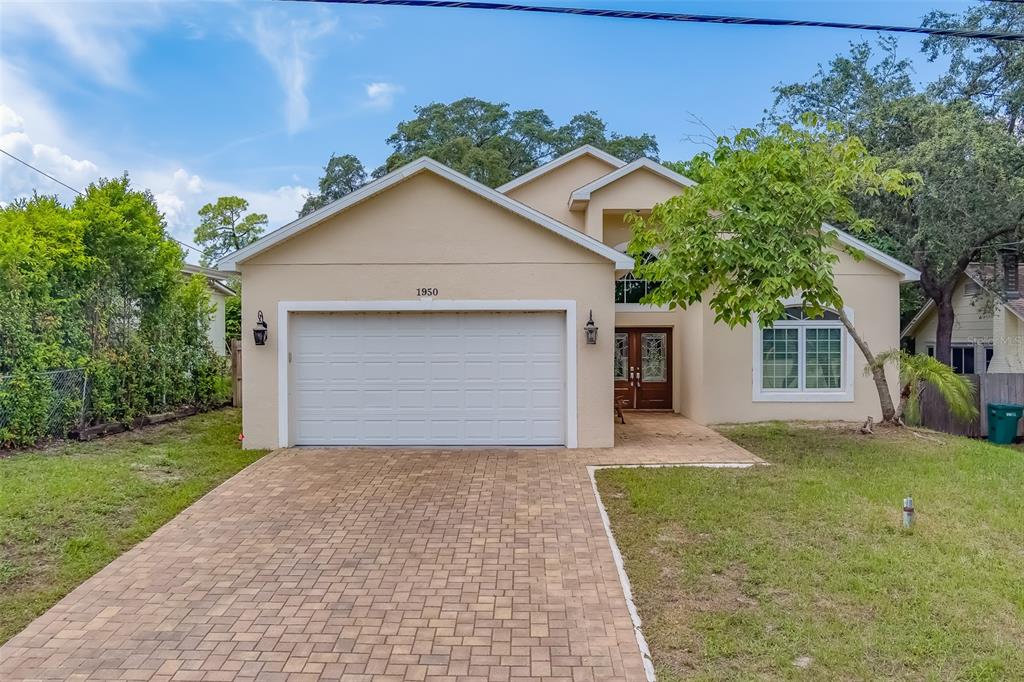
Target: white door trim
x=285, y=308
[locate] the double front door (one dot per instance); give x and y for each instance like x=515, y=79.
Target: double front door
x=643, y=368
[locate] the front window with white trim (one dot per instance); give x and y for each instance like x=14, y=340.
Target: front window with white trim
x=801, y=357
x=631, y=289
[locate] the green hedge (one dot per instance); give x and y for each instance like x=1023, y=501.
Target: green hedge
x=98, y=285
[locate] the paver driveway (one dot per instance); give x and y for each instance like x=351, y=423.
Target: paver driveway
x=361, y=564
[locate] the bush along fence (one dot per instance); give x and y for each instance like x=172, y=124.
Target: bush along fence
x=100, y=325
x=43, y=404
x=989, y=388
x=39, y=406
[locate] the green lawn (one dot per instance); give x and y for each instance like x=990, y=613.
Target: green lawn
x=801, y=569
x=67, y=511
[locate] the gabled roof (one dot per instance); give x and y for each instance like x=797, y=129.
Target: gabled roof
x=424, y=164
x=585, y=150
x=976, y=273
x=582, y=195
x=908, y=273
x=214, y=278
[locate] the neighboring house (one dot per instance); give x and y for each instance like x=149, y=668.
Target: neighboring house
x=219, y=293
x=988, y=323
x=428, y=309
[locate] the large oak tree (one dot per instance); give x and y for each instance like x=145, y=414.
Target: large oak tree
x=972, y=167
x=487, y=141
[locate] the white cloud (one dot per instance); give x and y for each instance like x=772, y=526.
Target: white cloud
x=98, y=38
x=180, y=194
x=175, y=195
x=21, y=181
x=39, y=118
x=381, y=95
x=285, y=44
x=281, y=205
x=33, y=129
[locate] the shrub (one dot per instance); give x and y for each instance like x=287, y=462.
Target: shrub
x=98, y=285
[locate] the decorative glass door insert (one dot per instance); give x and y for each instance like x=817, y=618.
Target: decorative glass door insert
x=654, y=356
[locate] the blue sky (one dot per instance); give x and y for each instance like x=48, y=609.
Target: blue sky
x=197, y=100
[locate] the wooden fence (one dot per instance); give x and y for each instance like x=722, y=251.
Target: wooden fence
x=990, y=388
x=236, y=373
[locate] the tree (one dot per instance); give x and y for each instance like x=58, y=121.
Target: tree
x=972, y=169
x=917, y=371
x=97, y=286
x=850, y=91
x=972, y=196
x=986, y=72
x=749, y=234
x=342, y=174
x=589, y=128
x=224, y=228
x=493, y=145
x=137, y=267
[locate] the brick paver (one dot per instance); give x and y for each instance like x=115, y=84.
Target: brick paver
x=371, y=564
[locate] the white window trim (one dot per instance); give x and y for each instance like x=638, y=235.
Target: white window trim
x=285, y=308
x=841, y=395
x=638, y=307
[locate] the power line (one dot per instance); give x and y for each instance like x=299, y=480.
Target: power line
x=26, y=163
x=81, y=193
x=691, y=18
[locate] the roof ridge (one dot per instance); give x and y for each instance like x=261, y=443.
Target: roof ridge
x=559, y=161
x=424, y=163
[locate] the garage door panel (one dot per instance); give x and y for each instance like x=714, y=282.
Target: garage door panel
x=423, y=379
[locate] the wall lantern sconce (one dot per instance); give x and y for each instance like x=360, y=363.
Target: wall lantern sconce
x=259, y=332
x=590, y=329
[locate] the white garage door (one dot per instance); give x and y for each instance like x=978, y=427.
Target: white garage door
x=428, y=379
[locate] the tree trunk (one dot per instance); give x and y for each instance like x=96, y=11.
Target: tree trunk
x=944, y=328
x=877, y=372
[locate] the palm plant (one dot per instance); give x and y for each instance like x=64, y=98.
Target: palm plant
x=917, y=371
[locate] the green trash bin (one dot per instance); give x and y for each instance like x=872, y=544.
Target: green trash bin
x=1002, y=422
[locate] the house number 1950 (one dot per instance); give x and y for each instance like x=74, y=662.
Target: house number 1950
x=429, y=291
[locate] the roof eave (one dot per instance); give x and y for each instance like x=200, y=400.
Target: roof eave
x=907, y=273
x=231, y=261
x=916, y=321
x=543, y=169
x=579, y=198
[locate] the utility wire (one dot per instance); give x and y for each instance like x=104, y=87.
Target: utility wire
x=26, y=163
x=81, y=193
x=679, y=17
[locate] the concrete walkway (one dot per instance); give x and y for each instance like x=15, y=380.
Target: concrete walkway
x=372, y=564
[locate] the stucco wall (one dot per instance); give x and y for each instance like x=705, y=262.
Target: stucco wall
x=215, y=329
x=713, y=365
x=640, y=189
x=687, y=365
x=549, y=193
x=427, y=232
x=726, y=393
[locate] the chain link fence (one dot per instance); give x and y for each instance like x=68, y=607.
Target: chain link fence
x=57, y=401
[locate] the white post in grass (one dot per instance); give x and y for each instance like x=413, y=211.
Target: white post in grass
x=908, y=512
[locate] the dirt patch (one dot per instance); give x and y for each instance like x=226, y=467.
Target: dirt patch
x=158, y=474
x=676, y=609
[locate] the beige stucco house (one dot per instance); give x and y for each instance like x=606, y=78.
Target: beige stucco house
x=988, y=323
x=428, y=309
x=219, y=291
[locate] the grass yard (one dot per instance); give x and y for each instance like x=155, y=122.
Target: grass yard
x=67, y=511
x=801, y=570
